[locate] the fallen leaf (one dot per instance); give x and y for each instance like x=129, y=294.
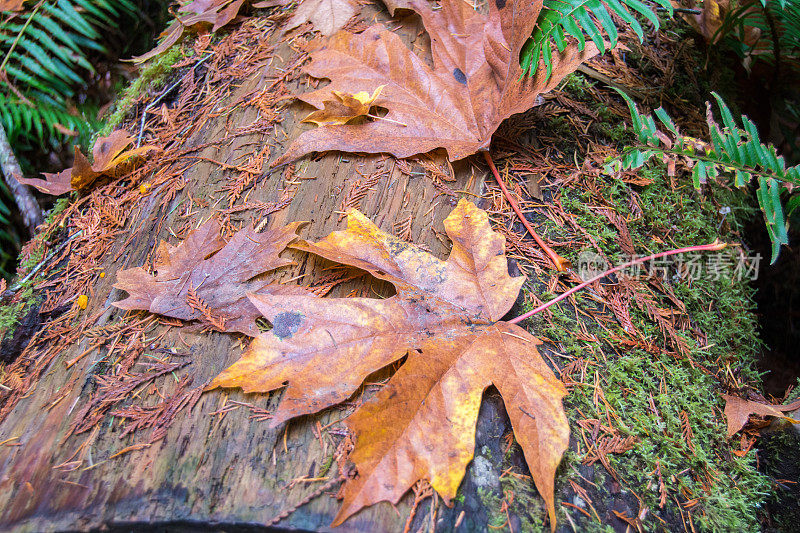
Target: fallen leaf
x=712, y=16
x=343, y=107
x=738, y=411
x=55, y=184
x=476, y=81
x=11, y=5
x=196, y=16
x=421, y=425
x=204, y=270
x=109, y=155
x=65, y=130
x=327, y=16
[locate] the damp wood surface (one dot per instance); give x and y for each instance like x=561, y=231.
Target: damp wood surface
x=226, y=469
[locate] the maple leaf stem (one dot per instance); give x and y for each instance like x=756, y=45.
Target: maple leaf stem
x=716, y=245
x=558, y=261
x=388, y=120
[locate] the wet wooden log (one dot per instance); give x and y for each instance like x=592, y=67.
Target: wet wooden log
x=218, y=468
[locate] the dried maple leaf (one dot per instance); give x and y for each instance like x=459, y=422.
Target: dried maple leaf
x=327, y=16
x=421, y=425
x=11, y=5
x=205, y=269
x=109, y=153
x=198, y=15
x=476, y=81
x=738, y=411
x=343, y=107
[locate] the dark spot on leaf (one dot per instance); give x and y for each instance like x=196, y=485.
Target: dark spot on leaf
x=104, y=147
x=500, y=3
x=286, y=324
x=460, y=77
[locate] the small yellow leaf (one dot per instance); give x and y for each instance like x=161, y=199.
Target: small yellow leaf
x=83, y=301
x=344, y=107
x=363, y=96
x=144, y=188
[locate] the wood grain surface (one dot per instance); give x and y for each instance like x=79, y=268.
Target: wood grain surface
x=227, y=471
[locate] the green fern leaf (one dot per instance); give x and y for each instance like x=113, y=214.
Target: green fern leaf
x=737, y=151
x=582, y=20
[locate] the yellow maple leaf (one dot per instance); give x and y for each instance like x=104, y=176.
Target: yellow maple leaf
x=344, y=107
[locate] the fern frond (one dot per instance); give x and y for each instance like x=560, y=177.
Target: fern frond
x=774, y=19
x=45, y=53
x=733, y=151
x=44, y=124
x=582, y=20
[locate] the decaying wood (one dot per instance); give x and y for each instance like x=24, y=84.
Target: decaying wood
x=218, y=463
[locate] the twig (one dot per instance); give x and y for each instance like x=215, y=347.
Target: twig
x=18, y=285
x=686, y=10
x=161, y=97
x=559, y=262
x=19, y=35
x=26, y=203
x=286, y=512
x=716, y=245
x=376, y=117
x=592, y=73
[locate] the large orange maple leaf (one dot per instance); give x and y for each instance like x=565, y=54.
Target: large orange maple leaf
x=444, y=317
x=475, y=82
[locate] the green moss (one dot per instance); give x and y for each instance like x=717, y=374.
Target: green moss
x=558, y=126
x=326, y=466
x=11, y=314
x=152, y=76
x=647, y=396
x=525, y=504
x=577, y=85
x=492, y=502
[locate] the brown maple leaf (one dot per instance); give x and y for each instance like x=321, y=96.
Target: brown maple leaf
x=206, y=277
x=11, y=5
x=738, y=411
x=196, y=16
x=476, y=81
x=327, y=16
x=444, y=317
x=109, y=155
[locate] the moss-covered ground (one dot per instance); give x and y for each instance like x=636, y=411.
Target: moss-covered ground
x=34, y=251
x=681, y=471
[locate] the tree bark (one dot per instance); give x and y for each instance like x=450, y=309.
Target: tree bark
x=28, y=206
